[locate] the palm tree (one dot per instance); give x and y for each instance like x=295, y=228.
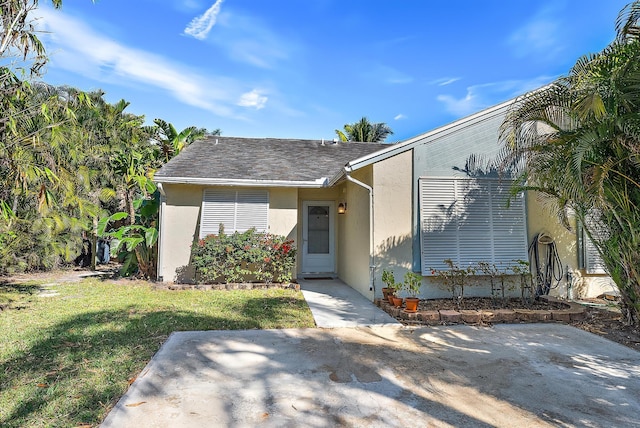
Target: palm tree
x=18, y=35
x=171, y=142
x=579, y=142
x=364, y=131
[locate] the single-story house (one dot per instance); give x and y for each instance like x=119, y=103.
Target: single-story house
x=354, y=209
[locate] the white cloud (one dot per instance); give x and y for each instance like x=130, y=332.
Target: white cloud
x=253, y=99
x=188, y=4
x=444, y=81
x=541, y=36
x=461, y=106
x=81, y=50
x=200, y=26
x=399, y=116
x=481, y=96
x=247, y=39
x=386, y=74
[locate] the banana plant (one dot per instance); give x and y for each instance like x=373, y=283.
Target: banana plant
x=137, y=243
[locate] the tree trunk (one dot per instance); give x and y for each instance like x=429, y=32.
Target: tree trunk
x=147, y=261
x=130, y=207
x=94, y=243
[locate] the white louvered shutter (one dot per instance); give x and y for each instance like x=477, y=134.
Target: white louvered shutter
x=467, y=221
x=238, y=210
x=509, y=225
x=252, y=210
x=438, y=225
x=474, y=221
x=592, y=260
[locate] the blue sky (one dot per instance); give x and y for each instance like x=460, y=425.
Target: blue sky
x=302, y=68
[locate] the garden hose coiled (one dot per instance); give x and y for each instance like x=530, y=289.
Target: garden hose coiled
x=547, y=272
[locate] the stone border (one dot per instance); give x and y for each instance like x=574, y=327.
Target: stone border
x=569, y=311
x=234, y=286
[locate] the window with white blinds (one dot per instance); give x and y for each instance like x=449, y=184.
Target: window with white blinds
x=467, y=220
x=237, y=209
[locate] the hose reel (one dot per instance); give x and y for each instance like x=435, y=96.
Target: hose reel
x=548, y=271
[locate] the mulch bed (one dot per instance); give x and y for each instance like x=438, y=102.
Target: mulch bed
x=485, y=303
x=609, y=324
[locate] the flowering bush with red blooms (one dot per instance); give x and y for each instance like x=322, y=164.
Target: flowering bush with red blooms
x=243, y=256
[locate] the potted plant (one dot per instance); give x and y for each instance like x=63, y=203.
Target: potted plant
x=412, y=283
x=391, y=285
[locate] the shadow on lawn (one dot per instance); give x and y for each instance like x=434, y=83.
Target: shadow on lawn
x=16, y=295
x=18, y=288
x=84, y=364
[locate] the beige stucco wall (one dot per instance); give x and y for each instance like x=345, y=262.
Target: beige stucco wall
x=353, y=243
x=283, y=212
x=541, y=217
x=180, y=222
x=393, y=216
x=180, y=216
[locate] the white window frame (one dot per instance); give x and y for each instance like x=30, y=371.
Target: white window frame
x=237, y=209
x=494, y=233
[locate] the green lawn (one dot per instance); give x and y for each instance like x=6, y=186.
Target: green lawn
x=65, y=360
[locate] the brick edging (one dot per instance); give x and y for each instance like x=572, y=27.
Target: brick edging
x=570, y=311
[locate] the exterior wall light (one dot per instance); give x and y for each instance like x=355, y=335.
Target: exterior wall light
x=342, y=207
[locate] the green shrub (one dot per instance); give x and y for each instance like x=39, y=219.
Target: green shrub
x=242, y=257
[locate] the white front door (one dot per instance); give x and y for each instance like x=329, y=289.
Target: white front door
x=318, y=246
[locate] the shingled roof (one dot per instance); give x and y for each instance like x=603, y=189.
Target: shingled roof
x=219, y=160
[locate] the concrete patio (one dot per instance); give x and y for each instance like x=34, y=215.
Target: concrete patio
x=532, y=375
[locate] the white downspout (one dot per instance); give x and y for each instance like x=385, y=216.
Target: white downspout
x=372, y=266
x=163, y=202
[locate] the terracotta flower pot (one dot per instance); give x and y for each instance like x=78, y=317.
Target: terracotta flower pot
x=390, y=297
x=385, y=293
x=397, y=301
x=411, y=304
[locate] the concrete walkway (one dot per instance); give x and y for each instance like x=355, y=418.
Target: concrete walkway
x=334, y=304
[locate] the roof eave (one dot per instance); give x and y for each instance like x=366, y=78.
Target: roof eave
x=319, y=183
x=339, y=176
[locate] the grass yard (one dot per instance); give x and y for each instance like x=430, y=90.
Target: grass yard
x=66, y=359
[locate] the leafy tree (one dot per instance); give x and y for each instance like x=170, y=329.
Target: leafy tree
x=364, y=131
x=42, y=178
x=578, y=140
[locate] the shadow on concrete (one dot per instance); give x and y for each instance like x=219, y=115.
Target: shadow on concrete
x=533, y=375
